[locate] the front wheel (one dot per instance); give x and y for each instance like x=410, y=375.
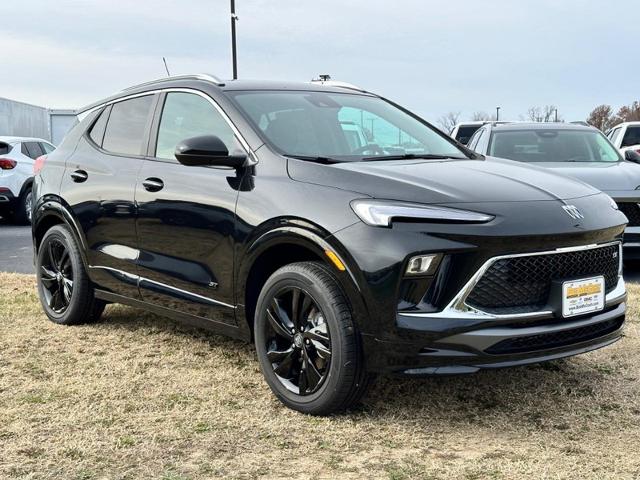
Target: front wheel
x=307, y=343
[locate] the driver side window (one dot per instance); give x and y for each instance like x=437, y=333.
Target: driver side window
x=187, y=115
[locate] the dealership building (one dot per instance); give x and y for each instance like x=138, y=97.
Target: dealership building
x=19, y=119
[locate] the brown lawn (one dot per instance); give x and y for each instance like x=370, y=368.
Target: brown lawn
x=140, y=397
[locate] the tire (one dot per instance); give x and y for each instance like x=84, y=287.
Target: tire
x=59, y=268
x=293, y=362
x=22, y=213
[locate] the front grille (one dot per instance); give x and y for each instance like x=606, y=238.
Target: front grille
x=632, y=212
x=555, y=339
x=522, y=284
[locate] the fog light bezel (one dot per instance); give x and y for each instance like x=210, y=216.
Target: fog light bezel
x=431, y=260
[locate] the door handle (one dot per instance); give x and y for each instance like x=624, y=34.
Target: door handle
x=79, y=176
x=153, y=184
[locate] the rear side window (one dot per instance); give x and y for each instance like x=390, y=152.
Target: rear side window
x=32, y=149
x=465, y=133
x=475, y=139
x=631, y=137
x=97, y=131
x=47, y=148
x=5, y=148
x=125, y=132
x=613, y=135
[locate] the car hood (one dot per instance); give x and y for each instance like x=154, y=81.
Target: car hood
x=608, y=177
x=443, y=181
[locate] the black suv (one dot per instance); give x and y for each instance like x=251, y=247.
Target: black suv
x=343, y=234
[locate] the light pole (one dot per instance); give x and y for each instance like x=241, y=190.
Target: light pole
x=497, y=113
x=234, y=19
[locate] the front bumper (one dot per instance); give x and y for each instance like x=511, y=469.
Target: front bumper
x=462, y=339
x=7, y=199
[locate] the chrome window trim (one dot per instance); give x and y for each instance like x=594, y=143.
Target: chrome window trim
x=458, y=308
x=250, y=154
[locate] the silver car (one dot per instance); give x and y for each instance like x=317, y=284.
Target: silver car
x=17, y=158
x=577, y=151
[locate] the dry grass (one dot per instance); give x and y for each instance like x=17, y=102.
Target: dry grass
x=139, y=397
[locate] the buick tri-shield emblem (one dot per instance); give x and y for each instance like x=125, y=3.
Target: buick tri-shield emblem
x=573, y=212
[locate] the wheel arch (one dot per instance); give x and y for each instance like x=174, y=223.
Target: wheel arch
x=50, y=212
x=28, y=184
x=282, y=246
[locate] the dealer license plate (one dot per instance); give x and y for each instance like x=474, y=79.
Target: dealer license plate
x=582, y=296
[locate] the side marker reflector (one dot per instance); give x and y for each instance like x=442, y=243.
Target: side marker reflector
x=335, y=260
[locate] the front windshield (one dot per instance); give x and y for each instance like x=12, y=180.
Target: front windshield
x=549, y=145
x=340, y=126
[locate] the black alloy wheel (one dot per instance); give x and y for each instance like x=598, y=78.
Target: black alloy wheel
x=298, y=344
x=65, y=291
x=307, y=342
x=56, y=275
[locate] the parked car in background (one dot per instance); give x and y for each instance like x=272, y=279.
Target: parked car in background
x=462, y=132
x=580, y=152
x=246, y=207
x=17, y=156
x=626, y=136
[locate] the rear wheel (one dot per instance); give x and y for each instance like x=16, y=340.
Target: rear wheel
x=24, y=207
x=307, y=343
x=65, y=291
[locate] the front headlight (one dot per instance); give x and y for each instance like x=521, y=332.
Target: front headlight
x=381, y=213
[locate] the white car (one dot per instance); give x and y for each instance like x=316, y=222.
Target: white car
x=626, y=136
x=462, y=132
x=17, y=156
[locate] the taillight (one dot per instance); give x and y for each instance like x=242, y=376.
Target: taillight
x=39, y=163
x=7, y=164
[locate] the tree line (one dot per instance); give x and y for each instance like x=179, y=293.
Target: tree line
x=547, y=113
x=602, y=117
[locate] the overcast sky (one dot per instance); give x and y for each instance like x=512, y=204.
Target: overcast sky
x=431, y=56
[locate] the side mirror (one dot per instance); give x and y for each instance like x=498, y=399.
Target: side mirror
x=632, y=156
x=207, y=150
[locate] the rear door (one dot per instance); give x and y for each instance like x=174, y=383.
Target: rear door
x=99, y=185
x=186, y=215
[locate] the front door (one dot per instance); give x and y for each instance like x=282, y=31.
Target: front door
x=186, y=215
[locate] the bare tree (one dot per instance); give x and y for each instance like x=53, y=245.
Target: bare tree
x=601, y=117
x=543, y=114
x=448, y=121
x=629, y=113
x=482, y=117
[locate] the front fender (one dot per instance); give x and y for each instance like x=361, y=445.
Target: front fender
x=307, y=235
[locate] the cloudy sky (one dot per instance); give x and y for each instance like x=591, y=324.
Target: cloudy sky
x=432, y=56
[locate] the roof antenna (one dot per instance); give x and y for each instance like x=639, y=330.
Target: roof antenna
x=166, y=67
x=322, y=78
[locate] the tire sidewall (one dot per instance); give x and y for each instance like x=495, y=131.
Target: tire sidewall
x=61, y=234
x=291, y=277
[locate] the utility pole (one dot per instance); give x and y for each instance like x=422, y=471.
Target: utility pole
x=234, y=19
x=497, y=113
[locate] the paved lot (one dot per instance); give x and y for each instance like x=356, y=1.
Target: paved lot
x=16, y=254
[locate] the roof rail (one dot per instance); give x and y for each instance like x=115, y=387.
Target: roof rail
x=197, y=76
x=326, y=80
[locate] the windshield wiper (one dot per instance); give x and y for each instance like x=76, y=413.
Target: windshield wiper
x=310, y=158
x=409, y=156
